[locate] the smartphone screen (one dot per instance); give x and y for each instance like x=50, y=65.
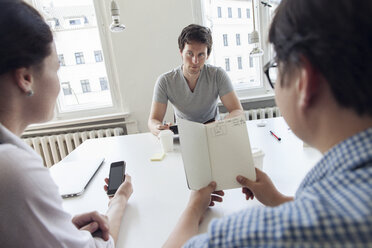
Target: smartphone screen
x=116, y=177
x=174, y=129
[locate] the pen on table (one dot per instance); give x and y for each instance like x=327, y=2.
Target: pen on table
x=276, y=137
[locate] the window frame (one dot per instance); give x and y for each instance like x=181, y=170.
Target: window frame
x=103, y=23
x=240, y=62
x=79, y=58
x=262, y=21
x=85, y=86
x=225, y=40
x=237, y=38
x=98, y=56
x=219, y=12
x=66, y=90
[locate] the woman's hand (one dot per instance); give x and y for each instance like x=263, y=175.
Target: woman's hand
x=125, y=190
x=93, y=222
x=263, y=189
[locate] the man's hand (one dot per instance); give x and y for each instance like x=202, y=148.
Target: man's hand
x=93, y=222
x=202, y=198
x=263, y=189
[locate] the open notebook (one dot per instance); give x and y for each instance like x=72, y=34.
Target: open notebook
x=217, y=151
x=72, y=177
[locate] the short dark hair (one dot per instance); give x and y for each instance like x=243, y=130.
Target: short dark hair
x=194, y=32
x=336, y=38
x=25, y=37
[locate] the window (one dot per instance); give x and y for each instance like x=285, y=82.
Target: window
x=238, y=39
x=103, y=83
x=225, y=43
x=98, y=56
x=219, y=12
x=245, y=72
x=66, y=88
x=79, y=57
x=75, y=22
x=240, y=66
x=61, y=59
x=79, y=36
x=227, y=64
x=250, y=62
x=85, y=86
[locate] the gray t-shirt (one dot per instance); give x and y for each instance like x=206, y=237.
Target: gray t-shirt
x=200, y=105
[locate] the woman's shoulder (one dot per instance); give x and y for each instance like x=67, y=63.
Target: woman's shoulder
x=20, y=168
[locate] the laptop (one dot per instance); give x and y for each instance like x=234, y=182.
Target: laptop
x=73, y=177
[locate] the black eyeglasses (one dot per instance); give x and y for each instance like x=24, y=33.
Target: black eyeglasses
x=271, y=71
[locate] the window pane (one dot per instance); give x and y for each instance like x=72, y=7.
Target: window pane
x=78, y=43
x=61, y=59
x=219, y=12
x=227, y=64
x=238, y=39
x=225, y=42
x=245, y=72
x=240, y=65
x=103, y=83
x=98, y=56
x=66, y=88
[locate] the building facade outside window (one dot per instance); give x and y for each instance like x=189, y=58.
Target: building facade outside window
x=79, y=58
x=78, y=38
x=85, y=86
x=245, y=72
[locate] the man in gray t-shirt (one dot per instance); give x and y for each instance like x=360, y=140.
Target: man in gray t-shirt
x=194, y=87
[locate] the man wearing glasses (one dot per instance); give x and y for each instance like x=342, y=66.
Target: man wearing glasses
x=194, y=87
x=324, y=92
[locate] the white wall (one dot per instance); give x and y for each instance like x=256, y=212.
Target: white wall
x=147, y=48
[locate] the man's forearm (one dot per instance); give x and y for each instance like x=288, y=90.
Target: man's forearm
x=187, y=227
x=234, y=113
x=153, y=124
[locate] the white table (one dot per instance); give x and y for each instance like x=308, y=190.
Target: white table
x=160, y=189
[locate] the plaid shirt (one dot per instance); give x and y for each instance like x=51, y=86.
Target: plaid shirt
x=332, y=207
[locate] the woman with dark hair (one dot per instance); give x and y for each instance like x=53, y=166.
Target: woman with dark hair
x=324, y=91
x=31, y=213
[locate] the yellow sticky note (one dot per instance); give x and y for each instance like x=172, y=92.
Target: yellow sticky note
x=157, y=156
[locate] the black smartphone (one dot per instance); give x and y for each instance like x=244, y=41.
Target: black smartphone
x=116, y=176
x=174, y=129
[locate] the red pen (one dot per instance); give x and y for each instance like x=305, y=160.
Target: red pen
x=276, y=137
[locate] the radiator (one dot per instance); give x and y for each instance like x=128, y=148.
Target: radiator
x=53, y=148
x=261, y=113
